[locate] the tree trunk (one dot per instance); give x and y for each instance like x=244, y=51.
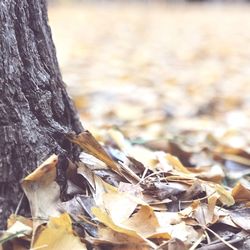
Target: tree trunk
x=35, y=110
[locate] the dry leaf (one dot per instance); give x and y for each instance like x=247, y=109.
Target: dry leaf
x=87, y=174
x=14, y=218
x=177, y=165
x=224, y=196
x=241, y=193
x=87, y=142
x=58, y=235
x=42, y=191
x=144, y=222
x=139, y=153
x=113, y=237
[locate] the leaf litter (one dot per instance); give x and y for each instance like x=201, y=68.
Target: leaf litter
x=161, y=208
x=167, y=163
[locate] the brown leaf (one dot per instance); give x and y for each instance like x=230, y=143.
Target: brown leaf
x=88, y=143
x=241, y=193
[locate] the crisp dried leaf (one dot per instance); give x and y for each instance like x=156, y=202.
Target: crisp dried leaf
x=119, y=206
x=87, y=174
x=224, y=196
x=212, y=173
x=241, y=193
x=57, y=235
x=104, y=217
x=114, y=237
x=141, y=225
x=177, y=165
x=144, y=222
x=42, y=191
x=88, y=142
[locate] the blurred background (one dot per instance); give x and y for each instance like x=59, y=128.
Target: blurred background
x=159, y=71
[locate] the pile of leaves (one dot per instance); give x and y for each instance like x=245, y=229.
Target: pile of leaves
x=125, y=196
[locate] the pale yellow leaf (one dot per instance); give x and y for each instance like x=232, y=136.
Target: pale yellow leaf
x=58, y=235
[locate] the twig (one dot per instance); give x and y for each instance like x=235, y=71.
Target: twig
x=87, y=221
x=150, y=175
x=220, y=238
x=19, y=204
x=220, y=245
x=196, y=244
x=129, y=171
x=144, y=173
x=199, y=199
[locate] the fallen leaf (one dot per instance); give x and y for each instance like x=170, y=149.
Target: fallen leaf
x=58, y=234
x=241, y=193
x=87, y=173
x=224, y=196
x=141, y=225
x=42, y=191
x=88, y=142
x=144, y=222
x=177, y=165
x=114, y=237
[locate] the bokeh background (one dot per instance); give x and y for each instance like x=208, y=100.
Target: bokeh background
x=159, y=71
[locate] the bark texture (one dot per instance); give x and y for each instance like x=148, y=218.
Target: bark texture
x=35, y=110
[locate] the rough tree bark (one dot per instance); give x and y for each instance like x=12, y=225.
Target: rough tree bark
x=35, y=110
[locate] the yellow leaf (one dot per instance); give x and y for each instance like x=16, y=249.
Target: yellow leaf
x=142, y=225
x=45, y=172
x=241, y=193
x=111, y=236
x=88, y=142
x=225, y=196
x=103, y=217
x=177, y=165
x=144, y=222
x=119, y=205
x=58, y=235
